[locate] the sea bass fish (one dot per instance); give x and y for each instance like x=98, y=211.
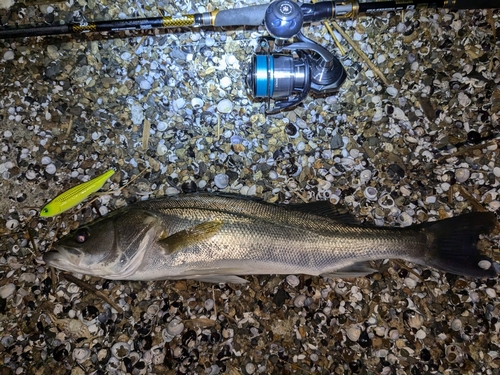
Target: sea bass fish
x=214, y=238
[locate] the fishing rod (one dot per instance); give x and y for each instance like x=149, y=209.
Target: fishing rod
x=288, y=77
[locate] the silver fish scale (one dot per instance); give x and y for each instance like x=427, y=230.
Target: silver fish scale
x=262, y=238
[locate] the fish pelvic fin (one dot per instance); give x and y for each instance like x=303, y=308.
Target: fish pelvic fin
x=358, y=269
x=452, y=244
x=219, y=279
x=190, y=236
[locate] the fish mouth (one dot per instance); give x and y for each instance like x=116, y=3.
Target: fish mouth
x=66, y=258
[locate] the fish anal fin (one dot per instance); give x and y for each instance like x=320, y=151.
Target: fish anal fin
x=190, y=236
x=358, y=269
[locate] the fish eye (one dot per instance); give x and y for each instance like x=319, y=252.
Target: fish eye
x=82, y=235
x=45, y=210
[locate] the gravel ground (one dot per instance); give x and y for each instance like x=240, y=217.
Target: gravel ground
x=169, y=110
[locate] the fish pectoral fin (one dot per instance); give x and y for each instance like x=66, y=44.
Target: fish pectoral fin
x=358, y=269
x=219, y=279
x=190, y=236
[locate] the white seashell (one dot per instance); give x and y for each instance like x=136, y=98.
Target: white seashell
x=484, y=264
x=292, y=280
x=490, y=292
x=120, y=350
x=299, y=300
x=392, y=91
x=225, y=106
x=420, y=334
x=50, y=169
x=145, y=84
x=161, y=149
x=301, y=146
x=249, y=368
x=162, y=126
x=252, y=190
x=153, y=309
x=171, y=191
x=221, y=180
x=410, y=283
x=73, y=288
x=393, y=334
x=209, y=41
x=353, y=333
x=209, y=304
x=81, y=354
x=405, y=220
x=12, y=224
x=225, y=82
x=46, y=160
x=494, y=205
x=378, y=115
x=380, y=331
x=415, y=320
x=179, y=103
x=370, y=193
x=454, y=353
x=7, y=290
x=456, y=324
x=334, y=199
x=8, y=55
x=324, y=185
x=430, y=199
x=496, y=171
x=365, y=175
x=175, y=327
x=197, y=103
x=354, y=153
x=462, y=174
x=386, y=201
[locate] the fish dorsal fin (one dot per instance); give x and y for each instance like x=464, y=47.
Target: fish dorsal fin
x=190, y=236
x=324, y=208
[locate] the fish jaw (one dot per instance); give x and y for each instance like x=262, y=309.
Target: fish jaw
x=73, y=260
x=64, y=258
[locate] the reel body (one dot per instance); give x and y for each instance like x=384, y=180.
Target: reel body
x=287, y=78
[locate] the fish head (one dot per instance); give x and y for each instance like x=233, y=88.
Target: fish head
x=89, y=250
x=111, y=248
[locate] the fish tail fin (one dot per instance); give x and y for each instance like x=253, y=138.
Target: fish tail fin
x=452, y=244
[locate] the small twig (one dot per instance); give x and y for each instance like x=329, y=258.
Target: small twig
x=53, y=278
x=215, y=304
x=304, y=199
x=70, y=125
x=473, y=201
x=146, y=127
x=32, y=241
x=465, y=150
x=91, y=289
x=140, y=42
x=491, y=21
x=360, y=52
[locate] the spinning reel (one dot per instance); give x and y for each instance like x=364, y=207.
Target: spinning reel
x=287, y=78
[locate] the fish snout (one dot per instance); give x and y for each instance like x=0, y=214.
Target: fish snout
x=62, y=254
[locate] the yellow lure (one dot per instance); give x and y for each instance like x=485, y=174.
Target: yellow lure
x=71, y=197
